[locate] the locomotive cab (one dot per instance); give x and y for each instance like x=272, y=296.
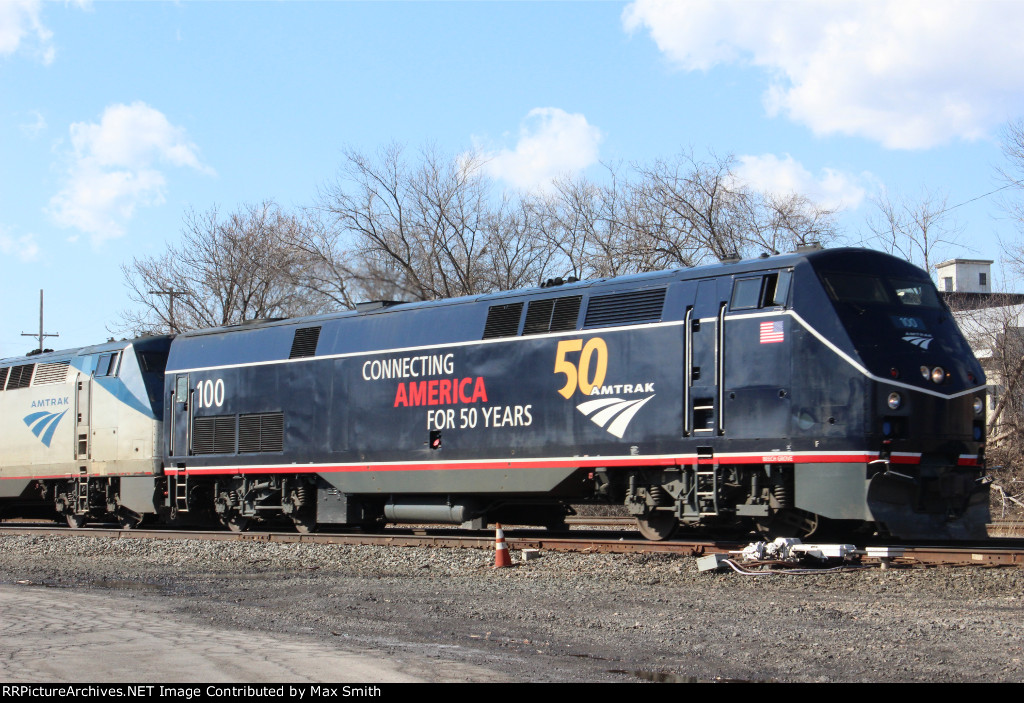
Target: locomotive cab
x=922, y=395
x=81, y=432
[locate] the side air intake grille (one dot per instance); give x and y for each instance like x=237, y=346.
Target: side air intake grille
x=213, y=435
x=304, y=343
x=552, y=315
x=20, y=377
x=260, y=433
x=625, y=308
x=503, y=320
x=3, y=376
x=57, y=372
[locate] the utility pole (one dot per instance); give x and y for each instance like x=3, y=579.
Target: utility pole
x=41, y=334
x=171, y=294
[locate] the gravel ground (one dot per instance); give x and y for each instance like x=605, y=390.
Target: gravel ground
x=567, y=617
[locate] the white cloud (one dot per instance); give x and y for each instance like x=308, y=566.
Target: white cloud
x=907, y=73
x=24, y=247
x=832, y=189
x=551, y=142
x=113, y=168
x=35, y=127
x=20, y=25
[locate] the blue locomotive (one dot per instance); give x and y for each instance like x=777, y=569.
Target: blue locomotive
x=825, y=387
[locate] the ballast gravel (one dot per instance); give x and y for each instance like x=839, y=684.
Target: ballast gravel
x=565, y=616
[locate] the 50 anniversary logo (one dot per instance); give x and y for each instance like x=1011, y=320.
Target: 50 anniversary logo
x=612, y=414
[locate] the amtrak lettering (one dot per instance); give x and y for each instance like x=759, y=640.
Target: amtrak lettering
x=623, y=388
x=49, y=402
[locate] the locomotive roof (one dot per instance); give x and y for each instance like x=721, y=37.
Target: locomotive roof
x=62, y=354
x=632, y=280
x=822, y=256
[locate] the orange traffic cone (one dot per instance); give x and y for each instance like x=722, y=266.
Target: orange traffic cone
x=501, y=555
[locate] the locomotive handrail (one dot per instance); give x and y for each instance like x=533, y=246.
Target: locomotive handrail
x=188, y=426
x=688, y=361
x=720, y=367
x=76, y=425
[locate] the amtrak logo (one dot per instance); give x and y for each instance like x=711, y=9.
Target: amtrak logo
x=44, y=424
x=612, y=414
x=917, y=339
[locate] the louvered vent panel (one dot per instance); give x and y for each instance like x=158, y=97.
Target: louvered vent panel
x=57, y=372
x=552, y=315
x=304, y=343
x=248, y=434
x=503, y=320
x=213, y=435
x=538, y=316
x=20, y=377
x=260, y=433
x=202, y=435
x=625, y=308
x=567, y=311
x=272, y=433
x=224, y=434
x=3, y=376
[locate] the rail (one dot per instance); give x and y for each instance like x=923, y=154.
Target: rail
x=994, y=553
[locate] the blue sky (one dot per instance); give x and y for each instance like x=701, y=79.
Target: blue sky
x=117, y=117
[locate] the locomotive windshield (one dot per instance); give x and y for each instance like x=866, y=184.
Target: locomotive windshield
x=867, y=289
x=891, y=315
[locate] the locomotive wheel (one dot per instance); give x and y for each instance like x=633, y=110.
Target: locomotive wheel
x=304, y=523
x=657, y=525
x=76, y=521
x=128, y=519
x=375, y=525
x=557, y=526
x=789, y=522
x=236, y=523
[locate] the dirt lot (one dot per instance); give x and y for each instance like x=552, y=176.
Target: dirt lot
x=563, y=617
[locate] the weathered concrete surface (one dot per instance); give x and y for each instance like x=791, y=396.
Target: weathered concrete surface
x=64, y=635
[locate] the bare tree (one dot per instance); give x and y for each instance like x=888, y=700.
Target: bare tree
x=432, y=227
x=680, y=212
x=516, y=255
x=588, y=226
x=783, y=222
x=1013, y=175
x=704, y=202
x=424, y=230
x=996, y=335
x=223, y=271
x=916, y=230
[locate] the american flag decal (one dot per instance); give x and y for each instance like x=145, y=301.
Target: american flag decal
x=772, y=332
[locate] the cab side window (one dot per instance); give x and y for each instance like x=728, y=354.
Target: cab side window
x=108, y=364
x=763, y=291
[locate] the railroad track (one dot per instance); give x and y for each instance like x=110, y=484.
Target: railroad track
x=992, y=553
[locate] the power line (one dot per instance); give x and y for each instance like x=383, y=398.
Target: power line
x=171, y=294
x=991, y=192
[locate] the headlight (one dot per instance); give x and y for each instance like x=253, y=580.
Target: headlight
x=895, y=401
x=938, y=374
x=979, y=405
